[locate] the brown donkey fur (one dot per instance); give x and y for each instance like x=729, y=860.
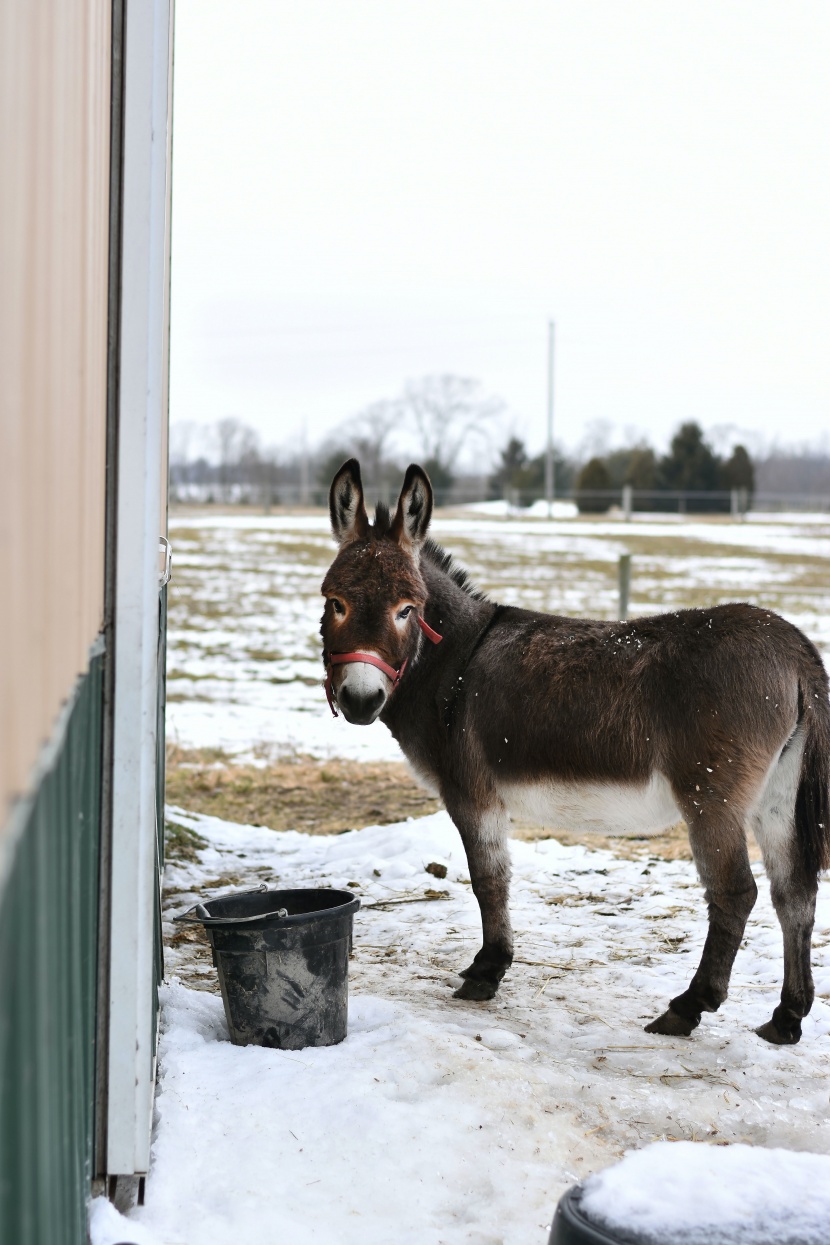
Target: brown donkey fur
x=718, y=716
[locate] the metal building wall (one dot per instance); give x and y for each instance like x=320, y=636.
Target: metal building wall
x=55, y=107
x=84, y=279
x=54, y=200
x=48, y=952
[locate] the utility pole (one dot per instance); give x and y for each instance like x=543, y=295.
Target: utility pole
x=549, y=480
x=304, y=473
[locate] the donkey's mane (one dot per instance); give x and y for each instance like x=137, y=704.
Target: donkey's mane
x=446, y=563
x=383, y=520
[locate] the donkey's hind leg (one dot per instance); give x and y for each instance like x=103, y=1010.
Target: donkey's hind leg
x=793, y=888
x=722, y=860
x=484, y=835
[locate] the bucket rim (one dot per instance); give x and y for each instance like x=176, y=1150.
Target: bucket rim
x=350, y=905
x=571, y=1226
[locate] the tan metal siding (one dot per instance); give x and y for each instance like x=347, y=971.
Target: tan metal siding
x=54, y=192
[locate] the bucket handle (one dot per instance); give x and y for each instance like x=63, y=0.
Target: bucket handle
x=199, y=915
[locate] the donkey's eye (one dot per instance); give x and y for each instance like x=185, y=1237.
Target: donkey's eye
x=339, y=607
x=406, y=611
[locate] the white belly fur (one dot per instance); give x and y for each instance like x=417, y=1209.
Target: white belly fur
x=604, y=807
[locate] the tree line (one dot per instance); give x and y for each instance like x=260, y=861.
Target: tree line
x=457, y=431
x=691, y=467
x=446, y=421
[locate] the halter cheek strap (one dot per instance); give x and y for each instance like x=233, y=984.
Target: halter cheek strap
x=369, y=659
x=428, y=631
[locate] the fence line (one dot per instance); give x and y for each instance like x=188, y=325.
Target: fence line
x=626, y=500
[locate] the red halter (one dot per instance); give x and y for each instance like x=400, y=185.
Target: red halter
x=345, y=659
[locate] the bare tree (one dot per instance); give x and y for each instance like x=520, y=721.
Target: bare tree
x=795, y=469
x=183, y=434
x=236, y=443
x=597, y=436
x=374, y=432
x=448, y=412
x=368, y=436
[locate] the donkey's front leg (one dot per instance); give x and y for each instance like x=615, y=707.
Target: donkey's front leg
x=484, y=835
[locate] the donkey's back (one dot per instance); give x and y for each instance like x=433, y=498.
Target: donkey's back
x=654, y=719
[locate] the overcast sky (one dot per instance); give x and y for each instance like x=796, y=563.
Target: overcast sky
x=365, y=192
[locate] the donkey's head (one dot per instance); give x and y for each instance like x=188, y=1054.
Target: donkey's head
x=374, y=592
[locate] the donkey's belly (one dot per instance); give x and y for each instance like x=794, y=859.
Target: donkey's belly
x=605, y=807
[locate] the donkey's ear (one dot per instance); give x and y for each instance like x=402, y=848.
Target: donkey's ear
x=349, y=520
x=409, y=526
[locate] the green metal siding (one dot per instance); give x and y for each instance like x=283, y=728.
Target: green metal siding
x=48, y=948
x=158, y=945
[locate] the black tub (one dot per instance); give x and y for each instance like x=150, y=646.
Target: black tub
x=283, y=963
x=571, y=1227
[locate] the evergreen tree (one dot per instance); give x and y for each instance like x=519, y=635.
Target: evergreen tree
x=512, y=459
x=642, y=468
x=441, y=479
x=593, y=485
x=738, y=471
x=522, y=478
x=691, y=465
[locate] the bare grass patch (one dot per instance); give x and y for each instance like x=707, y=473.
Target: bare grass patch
x=296, y=793
x=329, y=797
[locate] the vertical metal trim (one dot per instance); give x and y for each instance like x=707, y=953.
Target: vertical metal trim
x=140, y=447
x=110, y=533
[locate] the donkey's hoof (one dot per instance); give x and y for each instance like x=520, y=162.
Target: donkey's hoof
x=489, y=964
x=671, y=1024
x=780, y=1037
x=476, y=990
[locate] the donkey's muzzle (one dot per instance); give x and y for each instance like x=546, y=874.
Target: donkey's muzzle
x=360, y=708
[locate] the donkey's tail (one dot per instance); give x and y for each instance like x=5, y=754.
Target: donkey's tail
x=812, y=801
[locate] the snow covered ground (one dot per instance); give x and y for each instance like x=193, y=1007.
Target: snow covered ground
x=245, y=605
x=438, y=1121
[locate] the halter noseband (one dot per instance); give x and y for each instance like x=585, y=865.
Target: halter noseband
x=345, y=659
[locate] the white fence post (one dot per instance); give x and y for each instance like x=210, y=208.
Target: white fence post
x=624, y=585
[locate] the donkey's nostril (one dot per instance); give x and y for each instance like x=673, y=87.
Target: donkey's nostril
x=360, y=709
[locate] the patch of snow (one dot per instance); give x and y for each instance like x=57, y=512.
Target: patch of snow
x=107, y=1226
x=536, y=510
x=694, y=1194
x=439, y=1120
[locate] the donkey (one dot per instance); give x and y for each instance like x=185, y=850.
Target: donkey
x=719, y=717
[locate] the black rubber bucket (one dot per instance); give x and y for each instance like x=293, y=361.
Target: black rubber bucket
x=283, y=963
x=571, y=1226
